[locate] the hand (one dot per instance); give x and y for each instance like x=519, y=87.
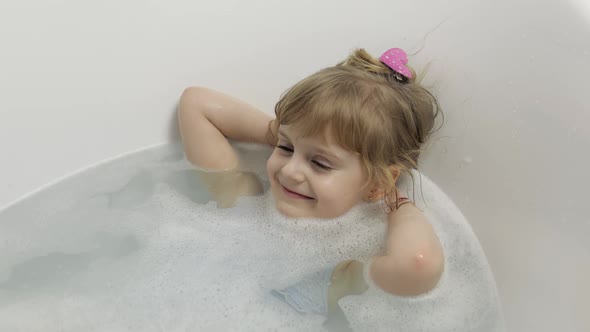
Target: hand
x=309, y=295
x=347, y=279
x=319, y=293
x=227, y=186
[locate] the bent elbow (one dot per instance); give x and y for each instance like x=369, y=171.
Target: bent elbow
x=189, y=106
x=426, y=270
x=189, y=98
x=411, y=275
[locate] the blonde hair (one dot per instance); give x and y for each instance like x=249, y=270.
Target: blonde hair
x=370, y=110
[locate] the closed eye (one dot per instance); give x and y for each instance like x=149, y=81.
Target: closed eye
x=285, y=148
x=320, y=165
x=288, y=149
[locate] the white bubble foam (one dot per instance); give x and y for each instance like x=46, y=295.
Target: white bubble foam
x=146, y=250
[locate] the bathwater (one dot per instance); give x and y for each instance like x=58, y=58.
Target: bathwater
x=139, y=244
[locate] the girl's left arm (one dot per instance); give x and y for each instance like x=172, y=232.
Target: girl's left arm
x=413, y=261
x=412, y=264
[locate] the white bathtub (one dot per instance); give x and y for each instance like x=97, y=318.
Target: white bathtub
x=81, y=82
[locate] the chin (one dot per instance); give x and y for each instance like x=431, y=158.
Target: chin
x=290, y=211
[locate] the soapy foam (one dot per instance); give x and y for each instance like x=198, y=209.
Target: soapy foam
x=137, y=245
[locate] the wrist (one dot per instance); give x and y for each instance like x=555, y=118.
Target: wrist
x=356, y=277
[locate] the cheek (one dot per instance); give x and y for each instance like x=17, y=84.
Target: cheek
x=328, y=190
x=341, y=191
x=272, y=165
x=335, y=200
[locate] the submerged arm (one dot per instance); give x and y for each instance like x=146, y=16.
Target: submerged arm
x=207, y=119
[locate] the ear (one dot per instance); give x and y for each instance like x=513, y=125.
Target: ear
x=378, y=189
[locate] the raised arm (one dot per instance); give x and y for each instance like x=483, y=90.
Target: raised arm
x=207, y=119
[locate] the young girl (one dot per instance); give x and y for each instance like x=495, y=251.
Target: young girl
x=341, y=136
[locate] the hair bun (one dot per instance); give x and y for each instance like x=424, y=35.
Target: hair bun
x=361, y=59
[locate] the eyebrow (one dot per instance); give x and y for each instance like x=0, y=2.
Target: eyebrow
x=318, y=149
x=281, y=132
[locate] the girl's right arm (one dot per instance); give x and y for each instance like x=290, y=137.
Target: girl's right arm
x=208, y=118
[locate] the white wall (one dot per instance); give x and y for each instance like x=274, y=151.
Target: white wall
x=84, y=81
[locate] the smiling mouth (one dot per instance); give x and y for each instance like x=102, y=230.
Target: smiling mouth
x=294, y=194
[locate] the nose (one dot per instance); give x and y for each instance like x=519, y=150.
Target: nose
x=293, y=170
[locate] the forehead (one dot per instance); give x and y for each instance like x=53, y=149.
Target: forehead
x=324, y=139
x=295, y=133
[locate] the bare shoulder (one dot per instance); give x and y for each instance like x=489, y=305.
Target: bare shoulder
x=414, y=250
